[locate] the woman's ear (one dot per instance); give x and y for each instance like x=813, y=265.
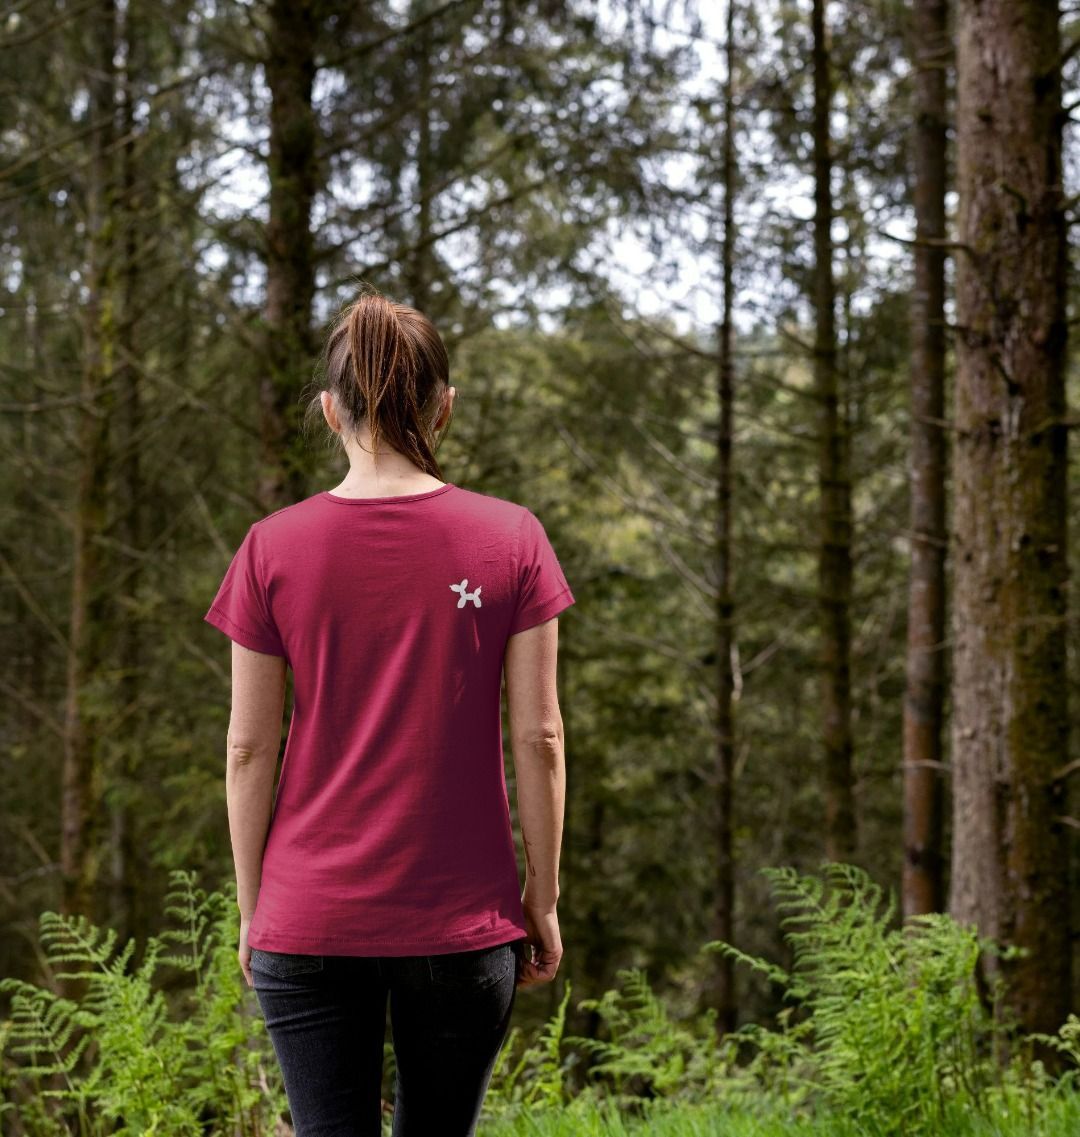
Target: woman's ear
x=444, y=414
x=328, y=411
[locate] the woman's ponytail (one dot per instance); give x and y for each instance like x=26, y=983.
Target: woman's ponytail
x=386, y=365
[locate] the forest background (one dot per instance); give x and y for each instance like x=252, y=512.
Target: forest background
x=763, y=310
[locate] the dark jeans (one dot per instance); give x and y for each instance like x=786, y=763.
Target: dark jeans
x=326, y=1016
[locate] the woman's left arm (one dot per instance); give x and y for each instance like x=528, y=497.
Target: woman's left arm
x=252, y=744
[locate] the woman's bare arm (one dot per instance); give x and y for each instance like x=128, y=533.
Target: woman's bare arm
x=536, y=738
x=252, y=744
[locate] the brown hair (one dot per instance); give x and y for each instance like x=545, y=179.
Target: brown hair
x=385, y=363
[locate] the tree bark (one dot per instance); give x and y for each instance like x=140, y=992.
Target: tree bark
x=923, y=781
x=290, y=266
x=126, y=869
x=419, y=266
x=725, y=601
x=834, y=563
x=81, y=776
x=1010, y=721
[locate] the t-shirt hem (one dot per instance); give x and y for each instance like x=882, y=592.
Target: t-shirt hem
x=245, y=638
x=542, y=611
x=346, y=945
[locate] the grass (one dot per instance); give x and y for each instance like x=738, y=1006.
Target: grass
x=1059, y=1116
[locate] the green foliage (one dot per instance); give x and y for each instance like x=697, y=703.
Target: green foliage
x=890, y=1026
x=882, y=1033
x=1066, y=1041
x=120, y=1059
x=646, y=1053
x=535, y=1078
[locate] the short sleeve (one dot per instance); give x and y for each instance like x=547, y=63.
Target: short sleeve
x=240, y=608
x=542, y=588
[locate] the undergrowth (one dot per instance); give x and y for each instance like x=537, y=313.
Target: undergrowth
x=881, y=1032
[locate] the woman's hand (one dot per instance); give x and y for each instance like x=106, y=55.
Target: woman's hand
x=244, y=952
x=543, y=942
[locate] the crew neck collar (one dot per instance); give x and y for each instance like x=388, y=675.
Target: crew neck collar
x=391, y=499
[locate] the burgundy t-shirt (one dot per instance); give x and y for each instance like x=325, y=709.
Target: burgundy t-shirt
x=391, y=831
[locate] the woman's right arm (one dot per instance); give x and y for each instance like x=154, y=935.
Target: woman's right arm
x=536, y=739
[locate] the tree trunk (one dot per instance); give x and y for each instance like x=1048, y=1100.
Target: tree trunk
x=126, y=868
x=290, y=270
x=725, y=603
x=81, y=789
x=1010, y=722
x=923, y=883
x=419, y=266
x=834, y=566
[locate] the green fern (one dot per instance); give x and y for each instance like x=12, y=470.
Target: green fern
x=1066, y=1041
x=881, y=1031
x=122, y=1059
x=535, y=1078
x=892, y=1029
x=646, y=1054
